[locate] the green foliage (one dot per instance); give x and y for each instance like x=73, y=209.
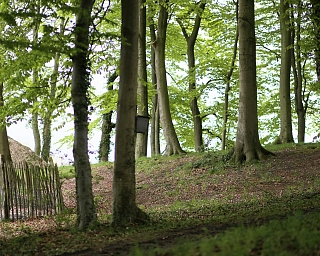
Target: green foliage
x=66, y=172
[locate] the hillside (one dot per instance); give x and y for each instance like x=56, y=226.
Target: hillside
x=187, y=197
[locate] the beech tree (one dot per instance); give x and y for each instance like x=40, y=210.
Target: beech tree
x=155, y=116
x=247, y=146
x=228, y=85
x=173, y=145
x=142, y=106
x=285, y=99
x=107, y=125
x=315, y=16
x=5, y=155
x=125, y=210
x=4, y=143
x=191, y=40
x=301, y=98
x=79, y=91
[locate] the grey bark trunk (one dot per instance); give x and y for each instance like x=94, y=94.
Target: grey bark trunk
x=36, y=132
x=46, y=133
x=155, y=116
x=285, y=99
x=35, y=78
x=125, y=210
x=107, y=126
x=86, y=213
x=299, y=91
x=228, y=87
x=191, y=40
x=47, y=120
x=173, y=145
x=247, y=146
x=5, y=156
x=142, y=108
x=315, y=16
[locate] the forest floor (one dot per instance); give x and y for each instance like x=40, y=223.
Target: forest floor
x=187, y=198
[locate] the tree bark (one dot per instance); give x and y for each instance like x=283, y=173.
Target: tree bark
x=142, y=108
x=107, y=126
x=173, y=145
x=191, y=40
x=285, y=99
x=155, y=116
x=36, y=132
x=228, y=87
x=300, y=107
x=315, y=16
x=125, y=210
x=35, y=78
x=47, y=119
x=247, y=146
x=80, y=83
x=4, y=143
x=5, y=156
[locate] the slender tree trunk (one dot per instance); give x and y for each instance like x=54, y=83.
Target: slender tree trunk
x=107, y=126
x=80, y=83
x=155, y=118
x=4, y=142
x=5, y=156
x=285, y=99
x=298, y=83
x=247, y=146
x=173, y=145
x=35, y=78
x=142, y=109
x=228, y=87
x=47, y=120
x=191, y=40
x=125, y=210
x=36, y=132
x=315, y=16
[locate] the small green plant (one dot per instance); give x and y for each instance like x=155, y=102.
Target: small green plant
x=65, y=219
x=66, y=172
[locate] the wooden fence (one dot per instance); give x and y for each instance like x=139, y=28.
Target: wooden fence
x=29, y=191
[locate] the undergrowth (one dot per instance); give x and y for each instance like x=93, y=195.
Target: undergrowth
x=263, y=224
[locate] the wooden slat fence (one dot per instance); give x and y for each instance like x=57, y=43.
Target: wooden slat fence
x=29, y=191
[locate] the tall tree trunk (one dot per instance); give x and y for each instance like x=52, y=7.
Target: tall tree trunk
x=4, y=143
x=228, y=87
x=47, y=119
x=35, y=78
x=80, y=83
x=173, y=145
x=315, y=16
x=285, y=99
x=125, y=210
x=107, y=126
x=142, y=138
x=5, y=156
x=191, y=40
x=298, y=83
x=155, y=116
x=247, y=146
x=36, y=132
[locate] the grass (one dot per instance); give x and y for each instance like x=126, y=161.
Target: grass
x=262, y=224
x=297, y=234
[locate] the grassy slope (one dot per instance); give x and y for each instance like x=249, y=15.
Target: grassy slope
x=268, y=225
